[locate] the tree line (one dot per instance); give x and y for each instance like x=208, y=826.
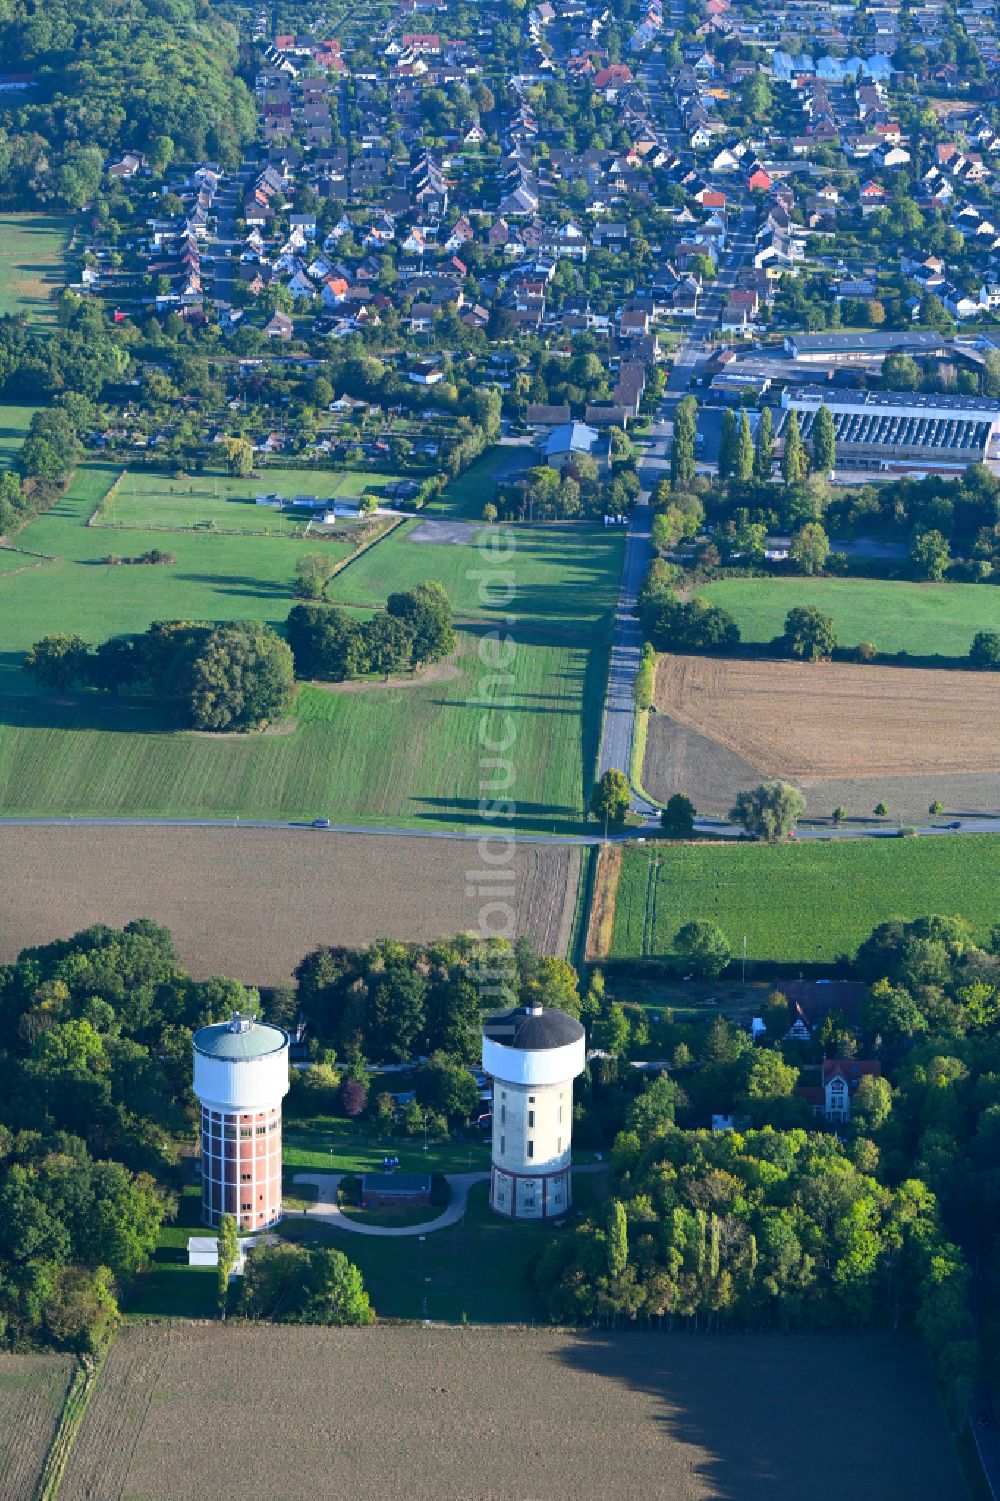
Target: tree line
x=414, y=630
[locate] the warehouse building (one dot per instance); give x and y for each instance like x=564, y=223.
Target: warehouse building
x=863, y=348
x=900, y=430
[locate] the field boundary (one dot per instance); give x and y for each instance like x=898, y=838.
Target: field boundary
x=638, y=757
x=602, y=908
x=78, y=1394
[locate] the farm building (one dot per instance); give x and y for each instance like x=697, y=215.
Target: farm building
x=532, y=1054
x=888, y=430
x=386, y=1190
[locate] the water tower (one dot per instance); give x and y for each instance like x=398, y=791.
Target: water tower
x=241, y=1078
x=532, y=1054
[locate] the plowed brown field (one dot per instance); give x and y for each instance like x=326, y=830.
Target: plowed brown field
x=503, y=1414
x=817, y=720
x=32, y=1390
x=251, y=902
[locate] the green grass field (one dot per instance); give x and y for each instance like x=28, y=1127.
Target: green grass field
x=14, y=423
x=804, y=903
x=148, y=499
x=32, y=251
x=563, y=578
x=922, y=619
x=381, y=755
x=465, y=496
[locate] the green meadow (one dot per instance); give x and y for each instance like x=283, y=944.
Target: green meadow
x=32, y=252
x=800, y=903
x=922, y=619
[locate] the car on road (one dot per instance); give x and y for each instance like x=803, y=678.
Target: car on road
x=956, y=825
x=321, y=823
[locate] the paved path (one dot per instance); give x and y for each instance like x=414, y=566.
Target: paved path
x=626, y=649
x=329, y=1211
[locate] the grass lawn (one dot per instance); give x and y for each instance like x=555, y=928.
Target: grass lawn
x=564, y=578
x=922, y=619
x=397, y=755
x=147, y=499
x=306, y=1147
x=14, y=423
x=32, y=249
x=479, y=1269
x=465, y=496
x=805, y=903
x=170, y=1288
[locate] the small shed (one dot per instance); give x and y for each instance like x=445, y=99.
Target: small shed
x=379, y=1190
x=203, y=1250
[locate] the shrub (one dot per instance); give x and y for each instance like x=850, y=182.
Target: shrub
x=353, y=1098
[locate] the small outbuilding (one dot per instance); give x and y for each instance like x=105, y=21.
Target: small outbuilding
x=385, y=1190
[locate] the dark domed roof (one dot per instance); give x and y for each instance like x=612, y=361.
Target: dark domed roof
x=532, y=1030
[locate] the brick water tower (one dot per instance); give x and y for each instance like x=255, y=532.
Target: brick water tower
x=241, y=1078
x=532, y=1054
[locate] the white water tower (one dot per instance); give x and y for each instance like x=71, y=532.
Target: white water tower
x=241, y=1078
x=532, y=1054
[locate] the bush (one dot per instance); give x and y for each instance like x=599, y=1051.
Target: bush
x=865, y=651
x=985, y=649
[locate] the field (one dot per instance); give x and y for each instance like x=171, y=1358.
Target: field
x=14, y=423
x=847, y=735
x=465, y=1414
x=923, y=619
x=329, y=889
x=147, y=499
x=805, y=903
x=32, y=1389
x=32, y=247
x=466, y=495
x=388, y=755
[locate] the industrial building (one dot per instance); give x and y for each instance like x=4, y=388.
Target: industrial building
x=906, y=430
x=862, y=348
x=240, y=1079
x=532, y=1054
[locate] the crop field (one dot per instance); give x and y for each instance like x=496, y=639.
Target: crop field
x=402, y=754
x=804, y=903
x=849, y=736
x=564, y=578
x=923, y=619
x=507, y=1413
x=203, y=501
x=32, y=1390
x=330, y=889
x=32, y=248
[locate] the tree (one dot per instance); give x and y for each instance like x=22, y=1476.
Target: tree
x=872, y=1104
x=727, y=444
x=353, y=1098
x=770, y=1077
x=985, y=649
x=756, y=99
x=930, y=554
x=313, y=571
x=764, y=448
x=59, y=661
x=239, y=456
x=880, y=810
x=810, y=547
x=900, y=372
x=677, y=818
x=809, y=634
x=839, y=813
x=936, y=808
x=611, y=798
x=243, y=677
x=682, y=448
x=228, y=1251
x=743, y=463
x=794, y=462
x=824, y=441
x=426, y=613
x=617, y=1241
x=769, y=811
x=447, y=1088
x=705, y=948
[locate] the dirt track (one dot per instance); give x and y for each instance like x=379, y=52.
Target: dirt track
x=503, y=1414
x=251, y=902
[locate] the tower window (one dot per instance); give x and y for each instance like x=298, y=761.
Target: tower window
x=531, y=1117
x=503, y=1115
x=503, y=1145
x=531, y=1149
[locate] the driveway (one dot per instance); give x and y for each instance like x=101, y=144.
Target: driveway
x=329, y=1211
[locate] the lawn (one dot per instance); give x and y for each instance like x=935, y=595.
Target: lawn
x=466, y=495
x=922, y=619
x=148, y=499
x=32, y=251
x=805, y=903
x=375, y=754
x=14, y=423
x=565, y=578
x=331, y=1144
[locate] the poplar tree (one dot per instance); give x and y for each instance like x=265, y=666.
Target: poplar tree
x=793, y=457
x=682, y=448
x=744, y=451
x=824, y=441
x=764, y=453
x=617, y=1238
x=727, y=444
